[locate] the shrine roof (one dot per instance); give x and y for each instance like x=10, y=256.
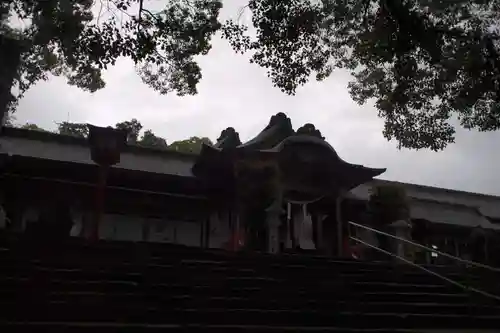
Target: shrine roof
x=74, y=140
x=51, y=146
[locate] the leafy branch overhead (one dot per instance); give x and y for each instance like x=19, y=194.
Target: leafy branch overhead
x=63, y=37
x=423, y=63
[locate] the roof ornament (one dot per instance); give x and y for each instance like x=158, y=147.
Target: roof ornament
x=306, y=162
x=278, y=129
x=228, y=138
x=310, y=129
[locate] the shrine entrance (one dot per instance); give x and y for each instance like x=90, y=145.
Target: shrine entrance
x=285, y=186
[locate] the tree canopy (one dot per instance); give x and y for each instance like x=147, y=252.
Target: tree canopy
x=74, y=129
x=133, y=127
x=32, y=127
x=424, y=63
x=387, y=204
x=149, y=139
x=191, y=145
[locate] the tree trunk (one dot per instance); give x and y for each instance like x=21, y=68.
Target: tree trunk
x=10, y=57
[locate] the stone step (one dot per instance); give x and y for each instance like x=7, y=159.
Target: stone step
x=181, y=294
x=132, y=313
x=125, y=250
x=200, y=277
x=112, y=285
x=128, y=249
x=106, y=327
x=221, y=285
x=290, y=273
x=287, y=302
x=298, y=265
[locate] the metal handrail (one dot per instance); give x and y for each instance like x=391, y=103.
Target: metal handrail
x=458, y=284
x=444, y=254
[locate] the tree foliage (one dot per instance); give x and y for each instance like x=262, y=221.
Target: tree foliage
x=9, y=120
x=80, y=130
x=63, y=37
x=149, y=139
x=32, y=127
x=424, y=63
x=387, y=204
x=132, y=127
x=191, y=145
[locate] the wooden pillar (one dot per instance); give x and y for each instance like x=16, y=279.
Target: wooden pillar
x=207, y=232
x=291, y=224
x=273, y=222
x=319, y=231
x=288, y=222
x=99, y=201
x=338, y=220
x=486, y=256
x=146, y=227
x=237, y=230
x=428, y=256
x=84, y=228
x=202, y=234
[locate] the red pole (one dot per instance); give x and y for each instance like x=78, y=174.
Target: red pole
x=99, y=203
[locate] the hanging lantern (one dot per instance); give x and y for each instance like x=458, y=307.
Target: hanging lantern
x=106, y=144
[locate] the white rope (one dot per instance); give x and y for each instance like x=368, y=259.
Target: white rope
x=444, y=254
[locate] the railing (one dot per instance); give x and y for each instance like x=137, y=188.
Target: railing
x=444, y=278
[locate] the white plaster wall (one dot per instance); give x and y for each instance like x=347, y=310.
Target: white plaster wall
x=161, y=231
x=488, y=205
x=167, y=164
x=187, y=233
x=129, y=228
x=77, y=223
x=121, y=227
x=220, y=229
x=30, y=215
x=172, y=231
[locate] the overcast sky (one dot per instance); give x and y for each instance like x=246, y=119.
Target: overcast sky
x=238, y=94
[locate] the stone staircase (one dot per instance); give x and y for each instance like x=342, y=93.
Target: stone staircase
x=136, y=287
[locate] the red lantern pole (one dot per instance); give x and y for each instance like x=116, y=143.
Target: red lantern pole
x=106, y=145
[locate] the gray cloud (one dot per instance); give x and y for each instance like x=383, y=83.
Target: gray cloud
x=236, y=93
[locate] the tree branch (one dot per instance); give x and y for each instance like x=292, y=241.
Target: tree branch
x=139, y=19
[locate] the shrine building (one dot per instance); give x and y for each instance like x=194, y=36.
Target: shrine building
x=157, y=195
